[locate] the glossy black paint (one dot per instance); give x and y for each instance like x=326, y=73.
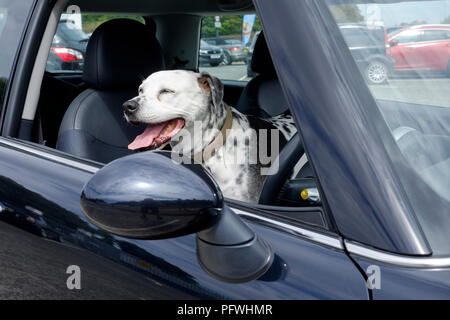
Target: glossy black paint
x=149, y=196
x=344, y=133
x=115, y=267
x=408, y=283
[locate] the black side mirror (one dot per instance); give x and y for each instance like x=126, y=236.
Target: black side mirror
x=150, y=196
x=393, y=43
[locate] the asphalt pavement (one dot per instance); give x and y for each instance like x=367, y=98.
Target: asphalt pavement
x=431, y=90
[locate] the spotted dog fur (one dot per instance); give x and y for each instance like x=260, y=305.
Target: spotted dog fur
x=198, y=97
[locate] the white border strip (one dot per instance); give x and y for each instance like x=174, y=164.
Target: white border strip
x=396, y=259
x=334, y=242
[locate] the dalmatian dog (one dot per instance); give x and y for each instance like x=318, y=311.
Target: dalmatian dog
x=185, y=110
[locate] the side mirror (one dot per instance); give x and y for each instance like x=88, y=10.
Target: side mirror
x=149, y=196
x=393, y=43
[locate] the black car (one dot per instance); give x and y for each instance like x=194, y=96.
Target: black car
x=209, y=54
x=370, y=49
x=68, y=49
x=356, y=205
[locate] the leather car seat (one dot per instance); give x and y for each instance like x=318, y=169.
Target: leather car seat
x=263, y=95
x=120, y=54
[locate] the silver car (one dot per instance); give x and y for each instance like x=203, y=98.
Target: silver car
x=233, y=49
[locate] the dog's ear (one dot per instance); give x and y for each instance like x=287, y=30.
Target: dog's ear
x=212, y=85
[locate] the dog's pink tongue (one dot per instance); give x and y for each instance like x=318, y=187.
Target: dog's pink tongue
x=146, y=138
x=156, y=135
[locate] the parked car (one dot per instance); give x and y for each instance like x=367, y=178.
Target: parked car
x=209, y=54
x=145, y=227
x=68, y=49
x=233, y=49
x=370, y=49
x=421, y=48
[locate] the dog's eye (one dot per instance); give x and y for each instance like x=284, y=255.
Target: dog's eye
x=166, y=91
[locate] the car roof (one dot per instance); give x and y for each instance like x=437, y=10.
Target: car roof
x=145, y=7
x=429, y=26
x=358, y=26
x=419, y=27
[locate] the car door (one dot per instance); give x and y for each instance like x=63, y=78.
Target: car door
x=435, y=52
x=407, y=50
x=50, y=250
x=35, y=179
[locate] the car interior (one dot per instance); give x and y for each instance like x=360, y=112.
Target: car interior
x=81, y=113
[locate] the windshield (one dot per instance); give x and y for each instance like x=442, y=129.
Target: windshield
x=402, y=49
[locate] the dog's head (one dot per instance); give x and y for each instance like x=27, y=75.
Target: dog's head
x=169, y=101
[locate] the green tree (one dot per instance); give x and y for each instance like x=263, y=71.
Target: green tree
x=92, y=21
x=346, y=13
x=417, y=22
x=231, y=26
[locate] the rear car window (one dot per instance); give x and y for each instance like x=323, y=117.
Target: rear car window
x=71, y=38
x=226, y=46
x=13, y=16
x=436, y=35
x=362, y=36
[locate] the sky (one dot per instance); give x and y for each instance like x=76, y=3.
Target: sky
x=395, y=13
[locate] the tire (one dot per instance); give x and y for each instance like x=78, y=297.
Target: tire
x=376, y=72
x=214, y=64
x=226, y=58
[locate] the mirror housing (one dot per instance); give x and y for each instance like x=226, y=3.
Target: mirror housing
x=393, y=43
x=149, y=196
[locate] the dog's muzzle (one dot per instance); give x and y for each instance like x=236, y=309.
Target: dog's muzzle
x=130, y=106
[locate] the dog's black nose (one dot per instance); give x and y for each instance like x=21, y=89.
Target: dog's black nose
x=130, y=106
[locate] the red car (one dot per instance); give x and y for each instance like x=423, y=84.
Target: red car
x=421, y=48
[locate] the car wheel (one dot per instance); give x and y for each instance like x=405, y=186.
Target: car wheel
x=214, y=64
x=226, y=58
x=376, y=72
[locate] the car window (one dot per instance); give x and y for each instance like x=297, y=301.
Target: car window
x=230, y=40
x=71, y=38
x=13, y=15
x=436, y=35
x=362, y=36
x=409, y=36
x=411, y=87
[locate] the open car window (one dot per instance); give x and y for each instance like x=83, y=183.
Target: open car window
x=227, y=44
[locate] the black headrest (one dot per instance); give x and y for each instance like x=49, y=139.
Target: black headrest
x=120, y=53
x=261, y=61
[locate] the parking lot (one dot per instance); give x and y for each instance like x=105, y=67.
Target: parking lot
x=430, y=90
x=234, y=71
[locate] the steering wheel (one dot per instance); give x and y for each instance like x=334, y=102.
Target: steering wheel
x=280, y=170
